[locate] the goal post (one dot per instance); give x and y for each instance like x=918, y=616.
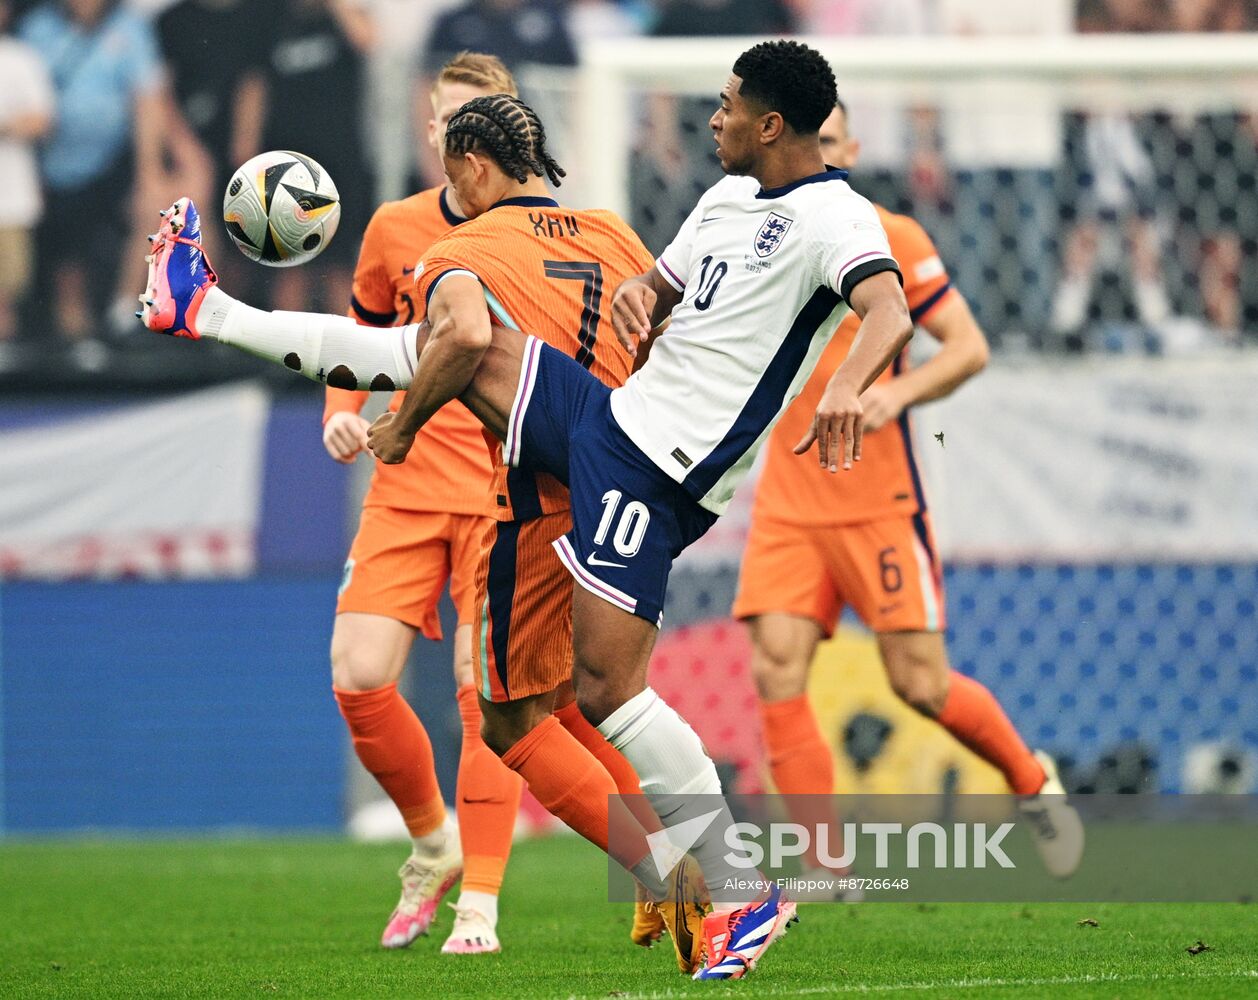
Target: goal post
x=1180, y=73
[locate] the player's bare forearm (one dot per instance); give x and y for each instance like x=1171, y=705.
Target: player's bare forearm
x=886, y=327
x=838, y=423
x=458, y=337
x=640, y=305
x=963, y=353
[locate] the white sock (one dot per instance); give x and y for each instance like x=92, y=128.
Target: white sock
x=1152, y=305
x=1070, y=304
x=484, y=903
x=671, y=763
x=323, y=348
x=431, y=845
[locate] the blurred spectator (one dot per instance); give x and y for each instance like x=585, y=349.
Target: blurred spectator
x=314, y=106
x=216, y=53
x=1209, y=171
x=1110, y=200
x=516, y=31
x=899, y=141
x=102, y=160
x=26, y=109
x=863, y=17
x=724, y=17
x=591, y=19
x=673, y=160
x=1001, y=143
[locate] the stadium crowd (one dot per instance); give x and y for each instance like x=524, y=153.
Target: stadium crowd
x=1095, y=219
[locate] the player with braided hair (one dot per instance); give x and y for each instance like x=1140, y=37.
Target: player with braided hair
x=510, y=131
x=420, y=528
x=530, y=264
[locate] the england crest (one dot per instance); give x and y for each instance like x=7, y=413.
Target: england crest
x=771, y=234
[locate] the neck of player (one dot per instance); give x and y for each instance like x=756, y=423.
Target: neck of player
x=534, y=187
x=452, y=203
x=785, y=163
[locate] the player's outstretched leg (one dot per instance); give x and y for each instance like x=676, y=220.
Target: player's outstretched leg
x=182, y=299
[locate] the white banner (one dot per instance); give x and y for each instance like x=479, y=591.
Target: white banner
x=1106, y=460
x=159, y=491
x=1103, y=460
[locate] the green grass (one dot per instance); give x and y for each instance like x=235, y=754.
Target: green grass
x=301, y=918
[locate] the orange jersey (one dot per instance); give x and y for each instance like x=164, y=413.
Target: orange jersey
x=885, y=481
x=448, y=470
x=549, y=271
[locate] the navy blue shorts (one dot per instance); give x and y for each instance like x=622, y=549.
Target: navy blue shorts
x=629, y=519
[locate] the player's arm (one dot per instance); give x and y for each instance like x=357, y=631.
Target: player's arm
x=644, y=302
x=344, y=428
x=458, y=338
x=885, y=328
x=962, y=354
x=639, y=306
x=371, y=304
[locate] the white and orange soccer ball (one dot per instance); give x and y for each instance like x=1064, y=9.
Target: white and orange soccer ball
x=281, y=208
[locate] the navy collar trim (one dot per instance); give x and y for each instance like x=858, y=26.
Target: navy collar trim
x=447, y=211
x=526, y=202
x=829, y=174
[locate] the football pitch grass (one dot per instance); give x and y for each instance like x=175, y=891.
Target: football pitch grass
x=301, y=918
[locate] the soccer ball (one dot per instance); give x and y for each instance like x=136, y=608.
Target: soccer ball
x=281, y=208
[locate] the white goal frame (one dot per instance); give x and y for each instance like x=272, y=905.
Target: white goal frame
x=1179, y=72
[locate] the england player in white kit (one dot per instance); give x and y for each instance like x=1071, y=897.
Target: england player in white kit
x=764, y=278
x=756, y=282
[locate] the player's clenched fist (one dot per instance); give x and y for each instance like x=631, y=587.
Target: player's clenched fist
x=837, y=427
x=345, y=435
x=632, y=306
x=387, y=441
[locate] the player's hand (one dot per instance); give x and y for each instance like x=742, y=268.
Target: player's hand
x=632, y=306
x=345, y=435
x=881, y=405
x=387, y=441
x=836, y=427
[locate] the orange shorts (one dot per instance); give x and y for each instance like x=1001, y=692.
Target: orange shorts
x=400, y=562
x=887, y=571
x=522, y=634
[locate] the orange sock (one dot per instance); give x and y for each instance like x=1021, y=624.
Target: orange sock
x=622, y=772
x=393, y=745
x=974, y=717
x=573, y=785
x=488, y=796
x=801, y=765
x=799, y=758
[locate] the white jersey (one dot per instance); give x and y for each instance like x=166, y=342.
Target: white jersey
x=764, y=276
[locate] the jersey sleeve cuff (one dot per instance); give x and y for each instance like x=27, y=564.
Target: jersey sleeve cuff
x=442, y=277
x=927, y=306
x=370, y=316
x=860, y=269
x=670, y=275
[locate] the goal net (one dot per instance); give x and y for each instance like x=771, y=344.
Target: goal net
x=1096, y=490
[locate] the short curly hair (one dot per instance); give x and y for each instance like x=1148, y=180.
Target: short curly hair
x=791, y=79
